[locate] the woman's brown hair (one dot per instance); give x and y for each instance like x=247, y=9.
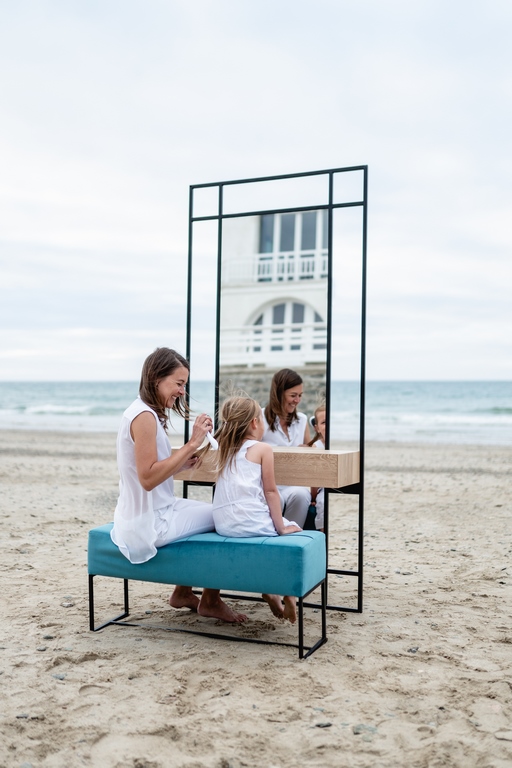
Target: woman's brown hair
x=281, y=381
x=159, y=364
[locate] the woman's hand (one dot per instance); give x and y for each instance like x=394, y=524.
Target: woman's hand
x=150, y=470
x=189, y=464
x=202, y=425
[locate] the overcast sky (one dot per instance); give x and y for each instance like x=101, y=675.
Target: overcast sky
x=111, y=109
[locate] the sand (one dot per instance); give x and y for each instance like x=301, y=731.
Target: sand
x=422, y=678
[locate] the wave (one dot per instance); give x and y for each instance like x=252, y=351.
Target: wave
x=497, y=410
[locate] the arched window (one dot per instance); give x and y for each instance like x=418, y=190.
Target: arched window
x=290, y=331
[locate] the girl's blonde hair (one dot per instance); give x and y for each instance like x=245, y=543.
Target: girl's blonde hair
x=235, y=417
x=317, y=436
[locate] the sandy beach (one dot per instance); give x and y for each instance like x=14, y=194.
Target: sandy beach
x=421, y=679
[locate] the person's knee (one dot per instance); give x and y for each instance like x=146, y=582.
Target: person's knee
x=300, y=494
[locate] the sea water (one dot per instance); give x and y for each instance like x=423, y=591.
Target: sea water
x=477, y=412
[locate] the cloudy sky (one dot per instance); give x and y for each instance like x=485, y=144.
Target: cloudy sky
x=110, y=109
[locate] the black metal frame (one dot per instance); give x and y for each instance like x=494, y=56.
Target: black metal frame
x=330, y=206
x=310, y=649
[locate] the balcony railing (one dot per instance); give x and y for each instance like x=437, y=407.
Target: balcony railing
x=276, y=268
x=287, y=344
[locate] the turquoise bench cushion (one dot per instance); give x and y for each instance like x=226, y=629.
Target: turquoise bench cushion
x=286, y=565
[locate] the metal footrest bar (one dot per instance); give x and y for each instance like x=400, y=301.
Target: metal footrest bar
x=342, y=573
x=332, y=607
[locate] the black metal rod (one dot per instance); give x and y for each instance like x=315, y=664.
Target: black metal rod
x=212, y=635
x=342, y=573
x=126, y=598
x=328, y=364
x=218, y=308
x=295, y=209
x=281, y=176
x=301, y=628
x=189, y=294
x=362, y=396
x=91, y=602
x=324, y=610
x=315, y=647
x=342, y=608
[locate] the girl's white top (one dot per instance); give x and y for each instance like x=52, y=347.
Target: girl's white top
x=134, y=521
x=239, y=505
x=278, y=437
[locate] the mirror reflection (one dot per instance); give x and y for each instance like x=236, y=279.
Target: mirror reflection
x=273, y=307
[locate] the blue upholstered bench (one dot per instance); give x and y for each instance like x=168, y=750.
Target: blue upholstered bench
x=286, y=565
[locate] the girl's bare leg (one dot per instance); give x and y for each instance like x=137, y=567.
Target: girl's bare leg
x=290, y=608
x=275, y=604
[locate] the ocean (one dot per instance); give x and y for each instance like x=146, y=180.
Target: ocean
x=475, y=412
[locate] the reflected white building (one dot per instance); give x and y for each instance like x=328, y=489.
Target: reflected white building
x=274, y=301
x=274, y=270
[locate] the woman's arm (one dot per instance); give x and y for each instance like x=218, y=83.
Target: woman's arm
x=270, y=489
x=150, y=471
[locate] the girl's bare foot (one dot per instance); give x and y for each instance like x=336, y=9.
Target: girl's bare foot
x=290, y=609
x=275, y=604
x=212, y=606
x=183, y=597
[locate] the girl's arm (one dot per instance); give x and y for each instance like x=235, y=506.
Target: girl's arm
x=270, y=490
x=150, y=471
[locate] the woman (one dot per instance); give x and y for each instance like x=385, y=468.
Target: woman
x=148, y=515
x=284, y=425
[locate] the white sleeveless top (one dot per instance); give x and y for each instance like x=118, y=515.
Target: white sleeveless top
x=278, y=437
x=134, y=521
x=239, y=505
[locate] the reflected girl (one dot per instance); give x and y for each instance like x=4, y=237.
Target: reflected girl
x=318, y=441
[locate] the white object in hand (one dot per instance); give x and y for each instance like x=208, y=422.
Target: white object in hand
x=214, y=444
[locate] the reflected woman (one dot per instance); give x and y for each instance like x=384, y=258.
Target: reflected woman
x=286, y=426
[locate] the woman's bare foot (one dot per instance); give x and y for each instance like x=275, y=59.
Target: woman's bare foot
x=275, y=604
x=183, y=597
x=290, y=608
x=212, y=606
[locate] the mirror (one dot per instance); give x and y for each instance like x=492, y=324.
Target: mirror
x=275, y=280
x=273, y=302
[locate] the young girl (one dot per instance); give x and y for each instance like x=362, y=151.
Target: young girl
x=246, y=501
x=317, y=494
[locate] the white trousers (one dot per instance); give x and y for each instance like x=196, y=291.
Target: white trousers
x=185, y=517
x=295, y=501
x=319, y=519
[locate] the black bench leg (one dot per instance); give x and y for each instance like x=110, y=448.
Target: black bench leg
x=91, y=606
x=324, y=610
x=301, y=628
x=323, y=638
